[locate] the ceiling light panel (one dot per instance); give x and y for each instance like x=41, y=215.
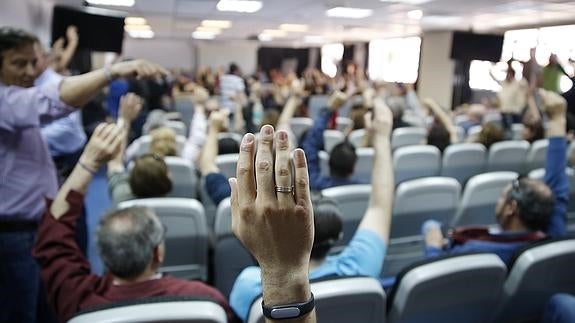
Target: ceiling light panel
x=120, y=3
x=141, y=33
x=222, y=24
x=203, y=35
x=347, y=12
x=295, y=28
x=135, y=21
x=243, y=6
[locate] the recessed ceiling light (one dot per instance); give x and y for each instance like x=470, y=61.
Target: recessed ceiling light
x=137, y=27
x=121, y=3
x=415, y=14
x=141, y=33
x=135, y=21
x=312, y=39
x=411, y=2
x=347, y=12
x=245, y=6
x=217, y=23
x=275, y=32
x=265, y=37
x=203, y=35
x=296, y=28
x=215, y=31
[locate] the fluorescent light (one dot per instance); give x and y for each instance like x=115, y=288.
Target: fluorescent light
x=411, y=2
x=203, y=35
x=415, y=14
x=135, y=21
x=122, y=3
x=311, y=39
x=141, y=33
x=265, y=37
x=296, y=28
x=215, y=31
x=275, y=32
x=222, y=24
x=246, y=6
x=346, y=12
x=137, y=27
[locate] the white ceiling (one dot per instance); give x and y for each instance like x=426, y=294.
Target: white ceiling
x=178, y=18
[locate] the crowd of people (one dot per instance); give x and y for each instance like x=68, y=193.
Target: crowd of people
x=48, y=164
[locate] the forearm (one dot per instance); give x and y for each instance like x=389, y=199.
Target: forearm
x=78, y=90
x=78, y=181
x=197, y=136
x=287, y=114
x=209, y=153
x=286, y=287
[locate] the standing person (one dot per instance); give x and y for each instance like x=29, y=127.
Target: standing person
x=552, y=74
x=27, y=173
x=231, y=86
x=531, y=69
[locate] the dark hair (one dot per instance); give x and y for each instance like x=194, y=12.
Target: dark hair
x=342, y=160
x=328, y=226
x=438, y=136
x=535, y=202
x=536, y=129
x=126, y=240
x=228, y=146
x=149, y=177
x=11, y=38
x=234, y=68
x=490, y=134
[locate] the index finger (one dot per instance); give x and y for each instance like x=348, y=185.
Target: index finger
x=245, y=171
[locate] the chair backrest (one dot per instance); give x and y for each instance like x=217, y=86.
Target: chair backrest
x=416, y=161
x=315, y=104
x=538, y=272
x=178, y=126
x=462, y=161
x=323, y=162
x=473, y=133
x=146, y=141
x=507, y=156
x=480, y=197
x=231, y=135
x=345, y=299
x=517, y=131
x=422, y=199
x=227, y=164
x=185, y=106
x=183, y=176
x=364, y=164
x=157, y=309
x=536, y=155
x=356, y=137
x=300, y=125
x=453, y=289
x=343, y=123
x=352, y=200
x=408, y=136
x=332, y=138
x=187, y=236
x=230, y=256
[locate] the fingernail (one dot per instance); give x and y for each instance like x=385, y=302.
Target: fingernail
x=268, y=130
x=248, y=138
x=299, y=154
x=283, y=135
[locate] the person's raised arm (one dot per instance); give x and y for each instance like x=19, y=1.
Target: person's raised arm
x=130, y=107
x=218, y=122
x=66, y=53
x=198, y=126
x=555, y=107
x=443, y=118
x=275, y=221
x=78, y=90
x=378, y=214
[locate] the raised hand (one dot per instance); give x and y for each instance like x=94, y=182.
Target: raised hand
x=130, y=106
x=138, y=68
x=103, y=146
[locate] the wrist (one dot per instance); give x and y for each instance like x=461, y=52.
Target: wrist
x=282, y=286
x=88, y=164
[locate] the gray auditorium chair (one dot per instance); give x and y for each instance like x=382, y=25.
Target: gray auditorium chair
x=479, y=198
x=299, y=126
x=352, y=200
x=185, y=106
x=416, y=201
x=356, y=138
x=183, y=176
x=315, y=104
x=341, y=300
x=187, y=236
x=462, y=161
x=231, y=135
x=408, y=136
x=536, y=155
x=230, y=256
x=364, y=164
x=538, y=272
x=163, y=309
x=416, y=161
x=462, y=288
x=517, y=131
x=227, y=164
x=332, y=138
x=343, y=123
x=323, y=162
x=146, y=141
x=178, y=126
x=507, y=156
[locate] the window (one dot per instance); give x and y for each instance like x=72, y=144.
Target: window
x=331, y=56
x=394, y=60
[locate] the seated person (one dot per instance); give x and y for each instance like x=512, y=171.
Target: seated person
x=149, y=177
x=442, y=132
x=490, y=134
x=130, y=242
x=365, y=253
x=342, y=158
x=528, y=210
x=560, y=309
x=163, y=142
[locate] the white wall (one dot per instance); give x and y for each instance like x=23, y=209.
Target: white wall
x=170, y=53
x=34, y=16
x=436, y=68
x=220, y=54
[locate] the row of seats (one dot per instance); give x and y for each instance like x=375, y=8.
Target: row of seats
x=462, y=288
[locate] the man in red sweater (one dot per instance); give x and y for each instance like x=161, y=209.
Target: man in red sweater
x=130, y=243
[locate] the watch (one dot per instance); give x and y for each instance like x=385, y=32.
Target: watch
x=288, y=311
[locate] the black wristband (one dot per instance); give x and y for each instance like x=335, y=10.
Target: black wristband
x=288, y=311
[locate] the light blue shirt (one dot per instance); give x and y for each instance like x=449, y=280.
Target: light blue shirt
x=66, y=135
x=362, y=257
